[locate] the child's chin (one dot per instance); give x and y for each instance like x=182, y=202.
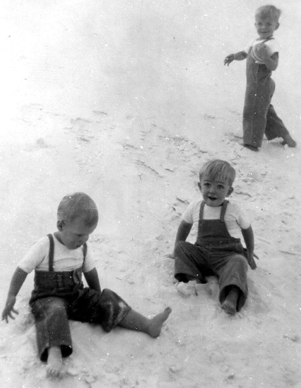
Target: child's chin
x=213, y=202
x=73, y=246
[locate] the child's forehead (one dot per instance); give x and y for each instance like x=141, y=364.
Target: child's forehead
x=79, y=225
x=216, y=178
x=266, y=18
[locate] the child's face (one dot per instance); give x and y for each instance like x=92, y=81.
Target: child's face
x=265, y=26
x=74, y=234
x=214, y=190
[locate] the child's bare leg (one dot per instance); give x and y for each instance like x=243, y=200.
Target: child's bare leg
x=230, y=303
x=54, y=363
x=192, y=278
x=150, y=326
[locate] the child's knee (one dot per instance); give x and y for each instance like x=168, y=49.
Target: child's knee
x=240, y=261
x=55, y=305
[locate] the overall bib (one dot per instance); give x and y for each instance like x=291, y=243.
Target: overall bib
x=215, y=253
x=259, y=116
x=60, y=296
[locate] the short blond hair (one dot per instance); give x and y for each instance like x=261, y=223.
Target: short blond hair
x=78, y=206
x=218, y=168
x=268, y=11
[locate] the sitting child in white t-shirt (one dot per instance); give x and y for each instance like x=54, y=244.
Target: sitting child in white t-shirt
x=217, y=250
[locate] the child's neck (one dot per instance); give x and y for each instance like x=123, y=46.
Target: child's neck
x=270, y=37
x=58, y=237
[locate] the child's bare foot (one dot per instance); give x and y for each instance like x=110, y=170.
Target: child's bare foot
x=54, y=363
x=187, y=289
x=229, y=307
x=250, y=147
x=156, y=323
x=287, y=139
x=230, y=303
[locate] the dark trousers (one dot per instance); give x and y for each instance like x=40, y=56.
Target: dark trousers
x=52, y=316
x=198, y=262
x=259, y=115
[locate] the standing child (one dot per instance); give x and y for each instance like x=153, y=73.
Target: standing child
x=217, y=250
x=59, y=294
x=259, y=116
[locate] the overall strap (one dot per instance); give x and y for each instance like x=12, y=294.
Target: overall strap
x=264, y=40
x=202, y=211
x=51, y=252
x=223, y=211
x=85, y=248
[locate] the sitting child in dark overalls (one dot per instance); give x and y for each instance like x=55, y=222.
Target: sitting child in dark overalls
x=259, y=115
x=217, y=250
x=59, y=293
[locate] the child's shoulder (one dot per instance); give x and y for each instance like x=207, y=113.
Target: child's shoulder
x=42, y=242
x=273, y=44
x=234, y=206
x=36, y=253
x=39, y=247
x=194, y=204
x=196, y=201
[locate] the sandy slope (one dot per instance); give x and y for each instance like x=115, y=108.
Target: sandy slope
x=125, y=100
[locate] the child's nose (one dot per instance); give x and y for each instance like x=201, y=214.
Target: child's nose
x=84, y=239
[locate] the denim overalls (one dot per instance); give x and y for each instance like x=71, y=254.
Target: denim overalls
x=60, y=296
x=259, y=116
x=215, y=253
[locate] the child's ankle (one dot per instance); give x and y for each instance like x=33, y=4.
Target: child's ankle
x=230, y=303
x=288, y=140
x=156, y=323
x=55, y=362
x=192, y=279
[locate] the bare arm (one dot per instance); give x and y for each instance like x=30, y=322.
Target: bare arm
x=93, y=280
x=239, y=56
x=16, y=283
x=183, y=232
x=271, y=62
x=248, y=236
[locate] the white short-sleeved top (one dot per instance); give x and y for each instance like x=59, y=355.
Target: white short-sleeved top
x=37, y=258
x=235, y=218
x=272, y=45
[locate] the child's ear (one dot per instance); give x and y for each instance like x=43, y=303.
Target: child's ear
x=200, y=186
x=278, y=24
x=230, y=191
x=60, y=225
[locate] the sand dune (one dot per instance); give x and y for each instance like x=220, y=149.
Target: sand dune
x=125, y=101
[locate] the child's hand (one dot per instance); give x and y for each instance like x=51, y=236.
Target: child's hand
x=229, y=59
x=170, y=255
x=9, y=309
x=251, y=260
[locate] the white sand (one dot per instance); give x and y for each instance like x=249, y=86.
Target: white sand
x=125, y=100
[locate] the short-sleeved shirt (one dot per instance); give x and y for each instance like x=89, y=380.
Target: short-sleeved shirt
x=235, y=218
x=272, y=45
x=37, y=258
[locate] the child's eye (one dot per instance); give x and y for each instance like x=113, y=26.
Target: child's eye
x=220, y=187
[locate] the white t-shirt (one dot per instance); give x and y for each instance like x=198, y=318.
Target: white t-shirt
x=272, y=46
x=235, y=218
x=37, y=258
